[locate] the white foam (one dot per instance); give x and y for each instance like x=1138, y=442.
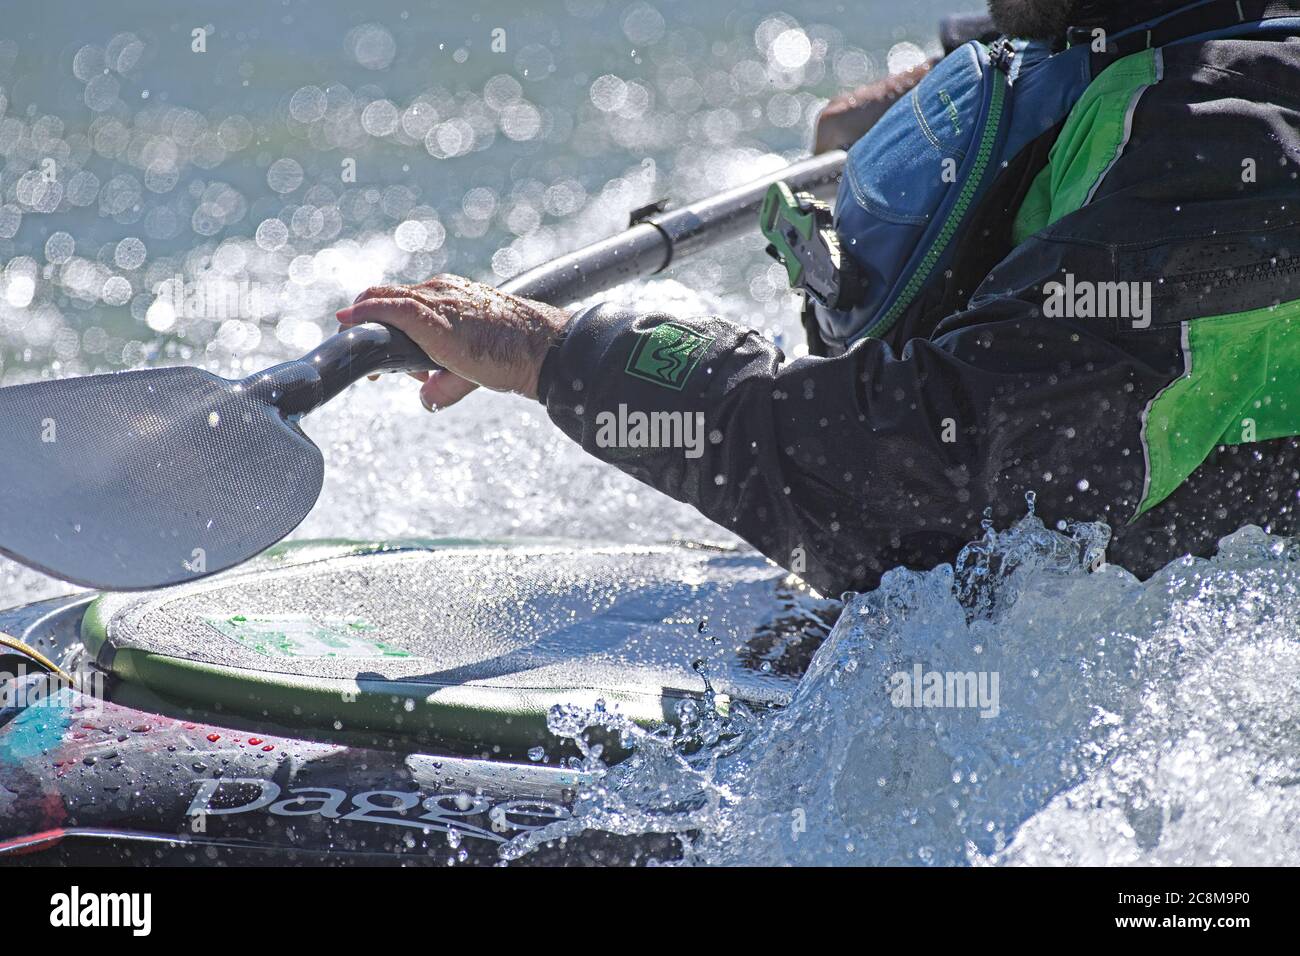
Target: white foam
x=1137, y=723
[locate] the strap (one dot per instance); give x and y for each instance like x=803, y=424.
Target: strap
x=1211, y=16
x=27, y=650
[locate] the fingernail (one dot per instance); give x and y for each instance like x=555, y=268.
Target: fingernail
x=428, y=405
x=343, y=313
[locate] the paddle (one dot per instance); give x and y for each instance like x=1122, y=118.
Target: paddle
x=140, y=479
x=147, y=478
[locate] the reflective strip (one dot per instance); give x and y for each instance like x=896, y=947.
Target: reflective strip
x=1186, y=345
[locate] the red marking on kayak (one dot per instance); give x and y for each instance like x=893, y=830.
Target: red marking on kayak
x=32, y=842
x=254, y=740
x=214, y=737
x=268, y=748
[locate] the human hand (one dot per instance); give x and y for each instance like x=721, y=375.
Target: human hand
x=479, y=335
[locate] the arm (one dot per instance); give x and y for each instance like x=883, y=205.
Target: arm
x=847, y=117
x=838, y=468
x=841, y=468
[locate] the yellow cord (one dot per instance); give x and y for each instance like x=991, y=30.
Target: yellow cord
x=9, y=641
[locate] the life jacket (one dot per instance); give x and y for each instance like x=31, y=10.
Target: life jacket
x=916, y=180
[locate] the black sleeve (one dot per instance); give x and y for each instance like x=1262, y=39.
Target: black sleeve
x=841, y=468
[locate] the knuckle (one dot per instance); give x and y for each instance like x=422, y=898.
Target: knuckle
x=382, y=292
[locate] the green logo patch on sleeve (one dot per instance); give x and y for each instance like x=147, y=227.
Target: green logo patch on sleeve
x=667, y=354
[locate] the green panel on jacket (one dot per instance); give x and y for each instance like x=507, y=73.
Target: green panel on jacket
x=1093, y=137
x=1240, y=387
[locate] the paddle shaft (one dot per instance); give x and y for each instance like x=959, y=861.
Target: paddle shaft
x=653, y=243
x=646, y=247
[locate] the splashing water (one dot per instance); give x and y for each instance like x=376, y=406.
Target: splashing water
x=1136, y=722
x=1132, y=722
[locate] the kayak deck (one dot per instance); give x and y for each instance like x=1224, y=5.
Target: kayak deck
x=166, y=767
x=467, y=644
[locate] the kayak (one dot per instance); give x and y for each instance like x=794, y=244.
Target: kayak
x=345, y=703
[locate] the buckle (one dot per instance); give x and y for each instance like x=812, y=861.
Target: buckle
x=801, y=236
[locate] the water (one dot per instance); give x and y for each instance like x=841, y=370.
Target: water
x=1136, y=722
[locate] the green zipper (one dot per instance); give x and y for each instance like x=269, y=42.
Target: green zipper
x=958, y=212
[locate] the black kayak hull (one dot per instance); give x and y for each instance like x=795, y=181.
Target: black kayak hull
x=117, y=773
x=89, y=781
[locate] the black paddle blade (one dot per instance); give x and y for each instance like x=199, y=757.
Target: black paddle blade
x=143, y=479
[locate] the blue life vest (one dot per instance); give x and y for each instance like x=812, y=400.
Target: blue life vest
x=911, y=183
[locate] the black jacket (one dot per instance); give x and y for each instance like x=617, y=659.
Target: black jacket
x=892, y=453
